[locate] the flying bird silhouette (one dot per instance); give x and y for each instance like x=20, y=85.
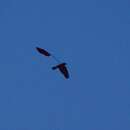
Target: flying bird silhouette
x=63, y=69
x=61, y=66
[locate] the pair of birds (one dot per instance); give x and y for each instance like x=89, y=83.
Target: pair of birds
x=61, y=66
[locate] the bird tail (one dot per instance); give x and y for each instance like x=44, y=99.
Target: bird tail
x=54, y=67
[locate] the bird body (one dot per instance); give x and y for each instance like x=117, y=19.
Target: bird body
x=61, y=66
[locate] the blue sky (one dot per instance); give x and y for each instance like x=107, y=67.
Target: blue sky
x=92, y=37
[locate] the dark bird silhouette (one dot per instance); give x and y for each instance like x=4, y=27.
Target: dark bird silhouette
x=61, y=66
x=63, y=69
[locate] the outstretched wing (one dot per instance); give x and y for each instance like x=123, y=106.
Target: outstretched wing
x=64, y=71
x=42, y=51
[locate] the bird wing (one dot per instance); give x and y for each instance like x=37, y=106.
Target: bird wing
x=43, y=51
x=64, y=71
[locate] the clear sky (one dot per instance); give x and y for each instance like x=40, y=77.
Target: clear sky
x=93, y=37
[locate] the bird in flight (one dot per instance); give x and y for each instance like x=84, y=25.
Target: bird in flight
x=61, y=66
